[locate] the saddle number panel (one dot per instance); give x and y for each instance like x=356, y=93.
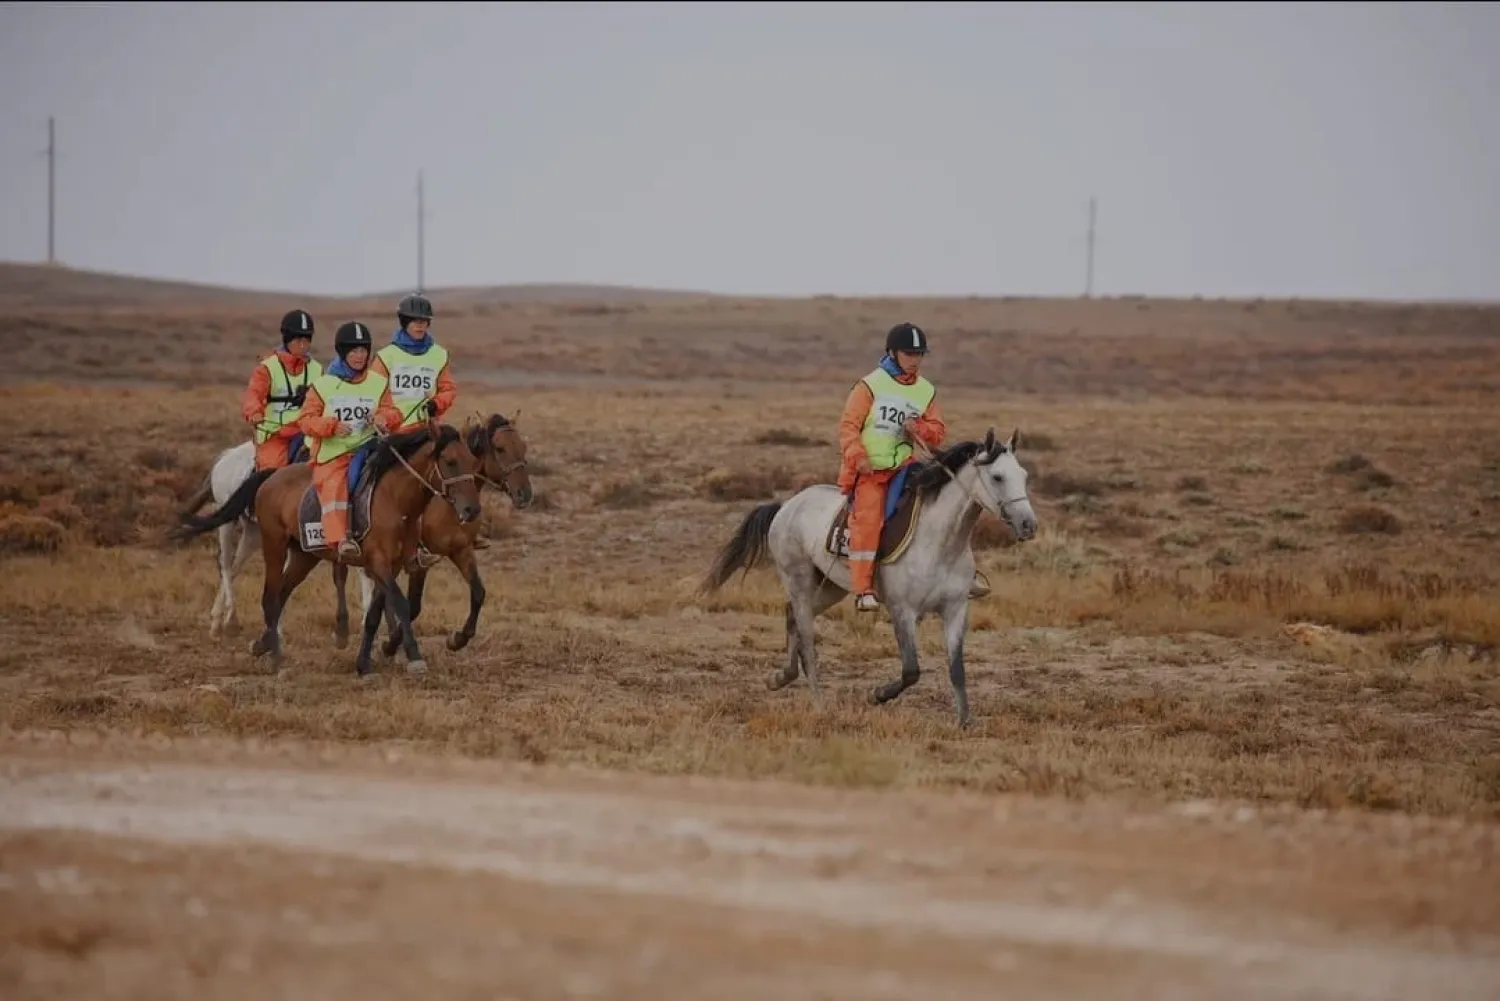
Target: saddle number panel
x=312, y=536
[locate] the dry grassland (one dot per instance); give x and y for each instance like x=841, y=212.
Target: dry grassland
x=1267, y=567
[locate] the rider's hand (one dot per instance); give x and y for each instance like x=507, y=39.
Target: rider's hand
x=341, y=430
x=909, y=428
x=256, y=418
x=862, y=465
x=431, y=408
x=381, y=423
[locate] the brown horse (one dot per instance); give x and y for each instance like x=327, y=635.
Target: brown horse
x=501, y=450
x=397, y=498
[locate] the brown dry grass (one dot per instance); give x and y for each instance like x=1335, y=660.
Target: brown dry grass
x=1274, y=583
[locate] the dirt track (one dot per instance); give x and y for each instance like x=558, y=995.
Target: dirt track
x=206, y=870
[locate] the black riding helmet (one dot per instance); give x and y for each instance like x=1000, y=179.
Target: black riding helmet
x=414, y=307
x=350, y=336
x=297, y=323
x=906, y=337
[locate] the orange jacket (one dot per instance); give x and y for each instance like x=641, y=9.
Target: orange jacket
x=443, y=394
x=315, y=425
x=253, y=399
x=929, y=425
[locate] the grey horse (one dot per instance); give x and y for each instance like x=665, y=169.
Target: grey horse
x=932, y=574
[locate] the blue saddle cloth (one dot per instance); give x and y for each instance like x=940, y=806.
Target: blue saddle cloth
x=357, y=464
x=894, y=490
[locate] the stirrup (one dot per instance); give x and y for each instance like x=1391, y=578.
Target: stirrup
x=348, y=549
x=979, y=586
x=481, y=542
x=426, y=558
x=866, y=602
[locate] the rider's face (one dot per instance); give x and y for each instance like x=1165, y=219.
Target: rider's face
x=299, y=346
x=910, y=361
x=357, y=357
x=417, y=328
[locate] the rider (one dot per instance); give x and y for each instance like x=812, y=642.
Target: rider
x=356, y=400
x=422, y=385
x=883, y=411
x=272, y=400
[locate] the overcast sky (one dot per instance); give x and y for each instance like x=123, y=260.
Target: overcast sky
x=844, y=148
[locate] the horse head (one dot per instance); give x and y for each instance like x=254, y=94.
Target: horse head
x=1000, y=484
x=501, y=449
x=442, y=461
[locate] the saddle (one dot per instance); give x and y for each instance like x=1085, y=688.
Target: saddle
x=896, y=528
x=310, y=511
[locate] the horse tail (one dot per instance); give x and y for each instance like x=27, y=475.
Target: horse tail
x=745, y=549
x=200, y=498
x=239, y=503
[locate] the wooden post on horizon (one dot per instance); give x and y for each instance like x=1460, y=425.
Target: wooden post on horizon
x=421, y=238
x=51, y=190
x=1088, y=275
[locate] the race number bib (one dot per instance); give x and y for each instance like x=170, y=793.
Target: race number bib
x=352, y=410
x=413, y=381
x=891, y=412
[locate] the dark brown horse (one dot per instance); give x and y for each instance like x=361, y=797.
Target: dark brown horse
x=436, y=462
x=501, y=450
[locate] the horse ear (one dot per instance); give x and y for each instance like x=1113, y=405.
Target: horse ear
x=989, y=441
x=515, y=416
x=1010, y=446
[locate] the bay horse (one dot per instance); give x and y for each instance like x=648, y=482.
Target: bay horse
x=239, y=537
x=501, y=450
x=384, y=508
x=929, y=569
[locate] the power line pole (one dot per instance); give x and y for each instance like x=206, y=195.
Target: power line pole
x=421, y=237
x=51, y=191
x=1088, y=277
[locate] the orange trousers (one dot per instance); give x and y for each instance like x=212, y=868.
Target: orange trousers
x=331, y=481
x=865, y=521
x=273, y=453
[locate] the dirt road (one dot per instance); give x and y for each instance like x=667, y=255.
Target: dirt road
x=207, y=870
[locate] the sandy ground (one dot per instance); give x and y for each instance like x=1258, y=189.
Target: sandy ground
x=214, y=870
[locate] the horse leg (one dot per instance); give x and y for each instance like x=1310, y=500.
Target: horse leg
x=274, y=551
x=385, y=579
x=225, y=596
x=469, y=567
x=341, y=616
x=241, y=557
x=374, y=609
x=905, y=623
x=822, y=599
x=418, y=577
x=955, y=625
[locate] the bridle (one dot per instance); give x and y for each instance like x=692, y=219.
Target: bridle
x=504, y=483
x=446, y=481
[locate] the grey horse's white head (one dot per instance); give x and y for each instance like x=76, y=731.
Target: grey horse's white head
x=1000, y=485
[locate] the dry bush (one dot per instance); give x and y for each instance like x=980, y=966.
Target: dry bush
x=723, y=484
x=791, y=439
x=626, y=493
x=23, y=534
x=1369, y=519
x=1192, y=484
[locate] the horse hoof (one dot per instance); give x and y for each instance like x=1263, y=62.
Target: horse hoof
x=417, y=667
x=457, y=641
x=778, y=681
x=258, y=648
x=340, y=640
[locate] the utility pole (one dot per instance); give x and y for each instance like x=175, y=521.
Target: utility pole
x=1088, y=276
x=51, y=191
x=421, y=237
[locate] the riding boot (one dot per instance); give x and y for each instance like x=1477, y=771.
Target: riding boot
x=349, y=550
x=866, y=602
x=425, y=558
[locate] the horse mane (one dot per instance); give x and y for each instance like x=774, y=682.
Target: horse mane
x=931, y=475
x=384, y=456
x=480, y=434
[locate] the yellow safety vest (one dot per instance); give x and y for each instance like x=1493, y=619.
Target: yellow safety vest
x=354, y=404
x=413, y=378
x=893, y=406
x=282, y=407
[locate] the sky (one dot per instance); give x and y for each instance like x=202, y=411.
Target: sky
x=1321, y=150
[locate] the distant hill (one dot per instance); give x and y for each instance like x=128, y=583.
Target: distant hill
x=32, y=285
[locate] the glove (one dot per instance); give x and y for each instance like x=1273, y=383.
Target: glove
x=431, y=408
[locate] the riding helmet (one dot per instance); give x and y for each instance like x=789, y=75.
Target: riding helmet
x=350, y=336
x=906, y=337
x=414, y=307
x=297, y=323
